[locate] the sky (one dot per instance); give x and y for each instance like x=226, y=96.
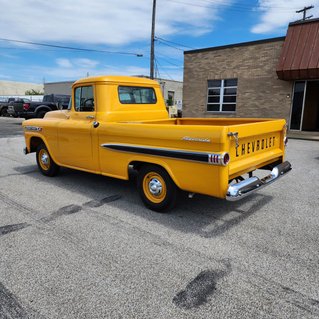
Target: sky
x=111, y=35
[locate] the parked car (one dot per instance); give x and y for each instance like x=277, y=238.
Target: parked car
x=4, y=106
x=28, y=109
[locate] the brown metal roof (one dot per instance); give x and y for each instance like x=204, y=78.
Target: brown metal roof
x=299, y=58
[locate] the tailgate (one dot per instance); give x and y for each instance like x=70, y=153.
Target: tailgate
x=255, y=145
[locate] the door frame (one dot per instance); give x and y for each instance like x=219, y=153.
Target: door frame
x=303, y=105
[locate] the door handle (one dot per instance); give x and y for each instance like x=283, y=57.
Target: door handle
x=90, y=117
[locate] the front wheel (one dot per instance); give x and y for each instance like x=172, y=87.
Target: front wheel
x=40, y=114
x=156, y=188
x=45, y=162
x=4, y=112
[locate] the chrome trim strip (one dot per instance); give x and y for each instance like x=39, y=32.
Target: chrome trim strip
x=252, y=184
x=196, y=139
x=208, y=158
x=33, y=128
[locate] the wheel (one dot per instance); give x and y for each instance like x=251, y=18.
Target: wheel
x=40, y=114
x=45, y=162
x=156, y=188
x=4, y=111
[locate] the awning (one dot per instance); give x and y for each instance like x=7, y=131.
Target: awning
x=299, y=59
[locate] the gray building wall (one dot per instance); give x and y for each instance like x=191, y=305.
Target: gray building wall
x=259, y=92
x=58, y=87
x=11, y=88
x=172, y=86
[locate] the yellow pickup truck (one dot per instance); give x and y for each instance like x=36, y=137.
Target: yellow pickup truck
x=115, y=123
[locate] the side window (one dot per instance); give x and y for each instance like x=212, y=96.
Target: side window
x=84, y=99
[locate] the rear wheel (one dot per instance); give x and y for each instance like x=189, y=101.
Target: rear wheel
x=156, y=188
x=45, y=162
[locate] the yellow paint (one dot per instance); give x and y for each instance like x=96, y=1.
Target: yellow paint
x=73, y=142
x=155, y=198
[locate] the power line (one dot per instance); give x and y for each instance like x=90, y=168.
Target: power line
x=248, y=6
x=171, y=59
x=170, y=45
x=179, y=44
x=233, y=7
x=72, y=48
x=158, y=64
x=169, y=62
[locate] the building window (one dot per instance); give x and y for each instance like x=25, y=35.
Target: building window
x=221, y=95
x=170, y=98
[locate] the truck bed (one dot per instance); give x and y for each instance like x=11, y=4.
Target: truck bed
x=251, y=143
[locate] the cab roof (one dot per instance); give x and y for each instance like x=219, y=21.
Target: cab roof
x=117, y=79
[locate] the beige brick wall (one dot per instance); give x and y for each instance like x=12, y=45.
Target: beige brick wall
x=259, y=94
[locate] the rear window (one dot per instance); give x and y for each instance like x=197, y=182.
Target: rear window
x=136, y=95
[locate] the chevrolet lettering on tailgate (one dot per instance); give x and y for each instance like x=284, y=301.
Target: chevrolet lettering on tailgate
x=115, y=124
x=255, y=146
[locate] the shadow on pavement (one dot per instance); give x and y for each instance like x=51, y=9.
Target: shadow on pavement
x=206, y=216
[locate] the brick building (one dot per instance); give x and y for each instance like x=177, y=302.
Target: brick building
x=274, y=78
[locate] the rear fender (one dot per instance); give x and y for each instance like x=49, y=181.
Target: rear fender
x=138, y=162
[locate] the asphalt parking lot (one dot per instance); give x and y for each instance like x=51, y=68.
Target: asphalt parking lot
x=83, y=246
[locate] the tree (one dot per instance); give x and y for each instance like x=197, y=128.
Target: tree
x=170, y=101
x=33, y=92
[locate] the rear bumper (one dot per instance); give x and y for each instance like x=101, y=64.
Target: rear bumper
x=252, y=184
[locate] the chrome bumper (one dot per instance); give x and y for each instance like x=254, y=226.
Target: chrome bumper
x=252, y=184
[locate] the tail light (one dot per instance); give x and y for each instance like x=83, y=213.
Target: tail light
x=26, y=106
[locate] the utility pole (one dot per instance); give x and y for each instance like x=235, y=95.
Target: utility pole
x=153, y=41
x=304, y=11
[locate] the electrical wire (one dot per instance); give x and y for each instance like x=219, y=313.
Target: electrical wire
x=248, y=6
x=170, y=45
x=72, y=48
x=232, y=7
x=179, y=44
x=158, y=64
x=169, y=62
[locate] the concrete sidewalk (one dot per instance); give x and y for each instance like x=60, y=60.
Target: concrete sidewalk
x=302, y=135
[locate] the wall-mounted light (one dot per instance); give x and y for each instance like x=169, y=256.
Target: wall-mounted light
x=288, y=96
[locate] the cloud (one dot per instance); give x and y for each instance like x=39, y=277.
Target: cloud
x=64, y=63
x=103, y=22
x=121, y=25
x=277, y=14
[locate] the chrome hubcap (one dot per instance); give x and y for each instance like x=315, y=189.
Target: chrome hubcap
x=45, y=159
x=155, y=186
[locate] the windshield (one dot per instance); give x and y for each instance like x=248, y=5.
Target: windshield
x=70, y=104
